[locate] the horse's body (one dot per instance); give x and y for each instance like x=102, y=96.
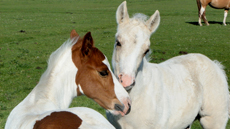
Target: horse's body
x=169, y=95
x=66, y=77
x=218, y=4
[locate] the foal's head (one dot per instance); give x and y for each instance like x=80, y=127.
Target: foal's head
x=132, y=43
x=94, y=77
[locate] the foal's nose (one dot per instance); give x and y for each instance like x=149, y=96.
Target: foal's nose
x=126, y=81
x=121, y=108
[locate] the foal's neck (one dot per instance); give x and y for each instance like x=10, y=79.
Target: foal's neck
x=143, y=65
x=58, y=84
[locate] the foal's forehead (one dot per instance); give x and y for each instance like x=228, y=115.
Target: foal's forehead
x=132, y=30
x=134, y=37
x=97, y=58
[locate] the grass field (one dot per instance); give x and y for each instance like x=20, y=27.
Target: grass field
x=30, y=30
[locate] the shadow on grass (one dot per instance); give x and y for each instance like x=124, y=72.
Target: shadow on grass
x=210, y=22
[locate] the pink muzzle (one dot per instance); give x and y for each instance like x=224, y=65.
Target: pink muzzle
x=126, y=81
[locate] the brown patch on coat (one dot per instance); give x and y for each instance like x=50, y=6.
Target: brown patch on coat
x=59, y=120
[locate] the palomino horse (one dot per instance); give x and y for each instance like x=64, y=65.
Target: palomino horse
x=76, y=68
x=218, y=4
x=169, y=95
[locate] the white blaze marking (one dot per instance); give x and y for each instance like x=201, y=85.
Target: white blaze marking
x=120, y=92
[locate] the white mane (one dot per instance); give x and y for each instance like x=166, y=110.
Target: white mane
x=58, y=57
x=140, y=17
x=60, y=52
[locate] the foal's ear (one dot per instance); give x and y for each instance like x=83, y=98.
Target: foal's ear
x=122, y=13
x=153, y=22
x=73, y=34
x=87, y=44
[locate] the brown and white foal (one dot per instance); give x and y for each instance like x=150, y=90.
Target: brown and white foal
x=76, y=68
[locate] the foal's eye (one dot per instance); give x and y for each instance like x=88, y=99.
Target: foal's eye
x=146, y=52
x=118, y=43
x=103, y=73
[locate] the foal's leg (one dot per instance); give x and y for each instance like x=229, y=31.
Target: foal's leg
x=225, y=16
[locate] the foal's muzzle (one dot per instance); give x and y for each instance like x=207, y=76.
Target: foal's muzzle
x=121, y=108
x=126, y=80
x=128, y=88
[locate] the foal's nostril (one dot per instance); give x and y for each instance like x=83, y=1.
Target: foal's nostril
x=120, y=78
x=128, y=110
x=119, y=107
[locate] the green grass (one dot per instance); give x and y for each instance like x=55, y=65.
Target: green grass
x=31, y=30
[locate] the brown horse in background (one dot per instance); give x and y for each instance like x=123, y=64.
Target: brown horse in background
x=217, y=4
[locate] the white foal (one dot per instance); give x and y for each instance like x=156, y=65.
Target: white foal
x=169, y=95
